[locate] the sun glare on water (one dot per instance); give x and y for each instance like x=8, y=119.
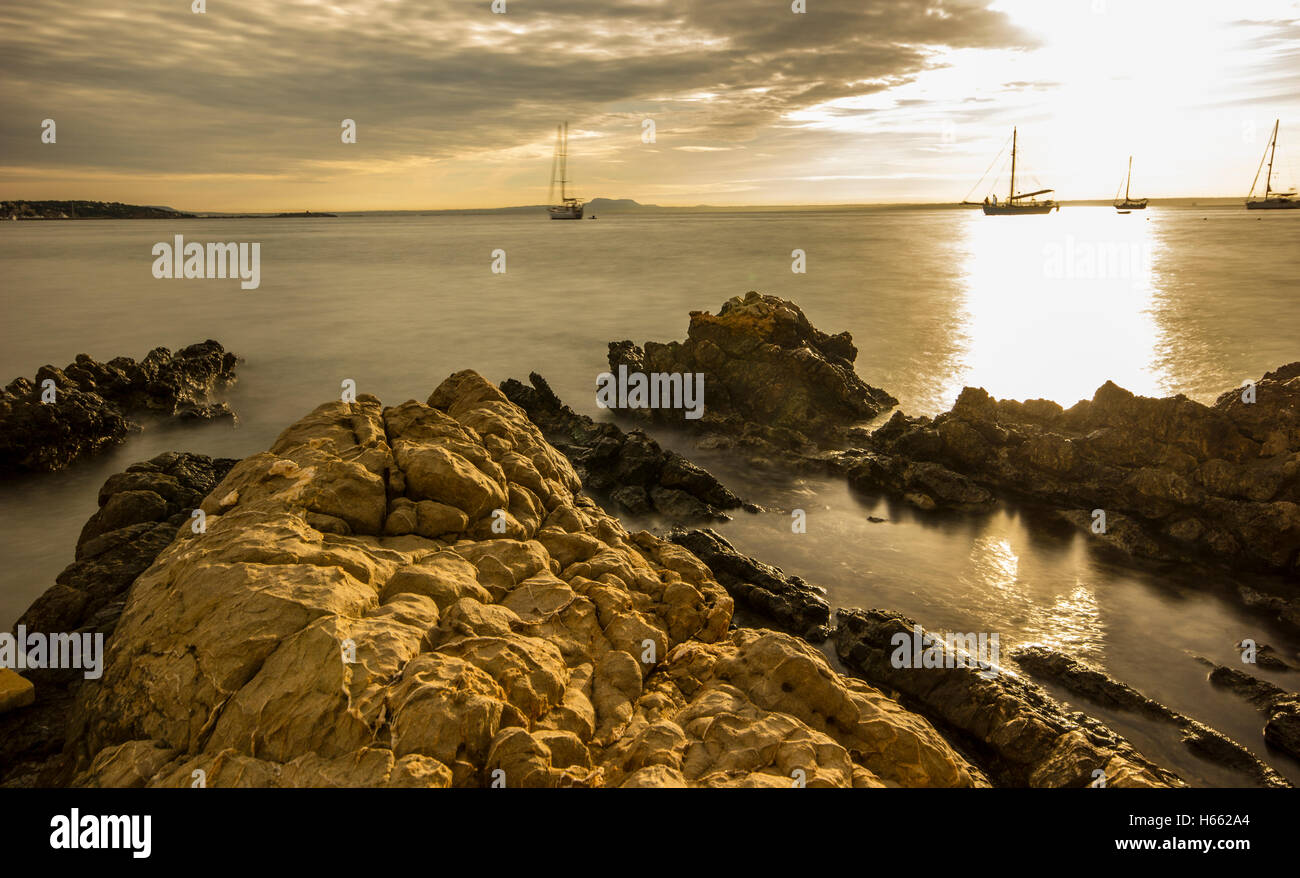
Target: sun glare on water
x=1054, y=306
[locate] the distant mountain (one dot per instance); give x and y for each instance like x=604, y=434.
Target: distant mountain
x=42, y=210
x=615, y=204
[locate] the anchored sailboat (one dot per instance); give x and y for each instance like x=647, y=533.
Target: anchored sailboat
x=1130, y=203
x=568, y=208
x=1272, y=200
x=1018, y=202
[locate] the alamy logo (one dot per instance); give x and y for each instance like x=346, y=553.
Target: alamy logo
x=97, y=832
x=194, y=260
x=637, y=390
x=921, y=650
x=37, y=650
x=1097, y=260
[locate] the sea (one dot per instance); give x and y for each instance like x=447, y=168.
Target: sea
x=1174, y=299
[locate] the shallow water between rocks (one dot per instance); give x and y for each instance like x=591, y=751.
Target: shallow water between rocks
x=1187, y=300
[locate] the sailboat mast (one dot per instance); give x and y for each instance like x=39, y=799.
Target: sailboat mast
x=1012, y=195
x=1130, y=177
x=1272, y=151
x=564, y=161
x=555, y=166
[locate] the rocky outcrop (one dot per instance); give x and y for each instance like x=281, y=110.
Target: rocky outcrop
x=630, y=470
x=1282, y=708
x=1176, y=479
x=1098, y=687
x=1018, y=733
x=771, y=379
x=140, y=511
x=95, y=405
x=768, y=592
x=422, y=596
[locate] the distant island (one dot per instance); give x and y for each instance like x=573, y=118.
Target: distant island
x=56, y=210
x=302, y=213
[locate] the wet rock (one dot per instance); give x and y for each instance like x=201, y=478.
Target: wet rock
x=786, y=601
x=1016, y=732
x=630, y=469
x=1178, y=480
x=1287, y=609
x=1282, y=708
x=1098, y=687
x=568, y=652
x=117, y=544
x=771, y=379
x=1269, y=658
x=96, y=405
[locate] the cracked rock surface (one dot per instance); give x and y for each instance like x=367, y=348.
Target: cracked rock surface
x=420, y=596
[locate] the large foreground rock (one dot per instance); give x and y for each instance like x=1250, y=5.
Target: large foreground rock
x=96, y=404
x=1017, y=730
x=1175, y=478
x=770, y=377
x=421, y=596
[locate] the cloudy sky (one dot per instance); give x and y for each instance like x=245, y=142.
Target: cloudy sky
x=853, y=101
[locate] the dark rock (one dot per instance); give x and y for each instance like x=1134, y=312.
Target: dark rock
x=1268, y=657
x=771, y=379
x=1282, y=728
x=1018, y=733
x=631, y=469
x=1178, y=480
x=788, y=602
x=95, y=403
x=145, y=506
x=1099, y=688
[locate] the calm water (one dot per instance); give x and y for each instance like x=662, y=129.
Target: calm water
x=1190, y=300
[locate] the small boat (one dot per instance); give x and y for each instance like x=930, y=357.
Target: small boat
x=569, y=208
x=1272, y=200
x=1018, y=203
x=1128, y=205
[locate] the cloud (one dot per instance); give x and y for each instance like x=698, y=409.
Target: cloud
x=261, y=89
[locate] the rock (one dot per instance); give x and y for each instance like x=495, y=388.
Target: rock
x=786, y=601
x=1178, y=480
x=1282, y=708
x=1025, y=737
x=1268, y=657
x=1096, y=686
x=15, y=690
x=771, y=379
x=117, y=544
x=95, y=403
x=630, y=469
x=266, y=652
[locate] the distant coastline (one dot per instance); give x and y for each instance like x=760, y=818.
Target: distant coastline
x=83, y=210
x=91, y=210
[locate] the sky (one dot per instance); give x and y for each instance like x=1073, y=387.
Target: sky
x=240, y=108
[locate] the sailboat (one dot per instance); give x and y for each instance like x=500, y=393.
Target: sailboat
x=1018, y=202
x=569, y=208
x=1128, y=203
x=1272, y=200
